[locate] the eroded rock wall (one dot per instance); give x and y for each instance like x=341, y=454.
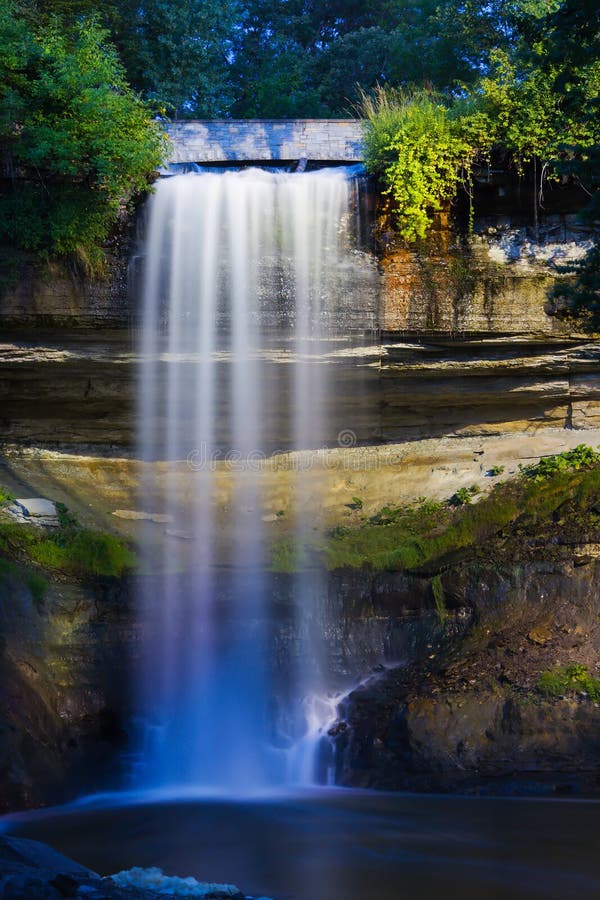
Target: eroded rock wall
x=447, y=701
x=496, y=281
x=64, y=661
x=57, y=295
x=468, y=715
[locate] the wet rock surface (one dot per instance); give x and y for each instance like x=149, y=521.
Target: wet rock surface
x=461, y=712
x=467, y=716
x=30, y=870
x=64, y=661
x=78, y=391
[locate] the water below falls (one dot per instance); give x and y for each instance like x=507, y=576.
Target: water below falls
x=254, y=283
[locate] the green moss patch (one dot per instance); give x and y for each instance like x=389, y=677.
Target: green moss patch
x=69, y=549
x=574, y=679
x=559, y=493
x=5, y=496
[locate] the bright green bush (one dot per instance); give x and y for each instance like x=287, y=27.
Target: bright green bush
x=581, y=457
x=66, y=549
x=463, y=496
x=419, y=151
x=5, y=496
x=83, y=552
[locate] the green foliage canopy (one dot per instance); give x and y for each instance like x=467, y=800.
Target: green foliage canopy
x=78, y=143
x=177, y=54
x=535, y=104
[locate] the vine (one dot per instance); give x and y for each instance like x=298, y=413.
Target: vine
x=420, y=151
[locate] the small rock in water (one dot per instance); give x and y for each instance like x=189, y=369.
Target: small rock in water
x=137, y=515
x=34, y=511
x=177, y=533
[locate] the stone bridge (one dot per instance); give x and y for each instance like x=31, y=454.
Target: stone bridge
x=262, y=140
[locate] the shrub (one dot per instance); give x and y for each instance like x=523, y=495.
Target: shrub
x=84, y=552
x=82, y=142
x=68, y=549
x=581, y=457
x=419, y=151
x=463, y=496
x=5, y=496
x=66, y=519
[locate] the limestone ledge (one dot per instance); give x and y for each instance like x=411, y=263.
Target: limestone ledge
x=498, y=281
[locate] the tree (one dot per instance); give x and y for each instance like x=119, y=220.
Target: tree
x=78, y=143
x=177, y=54
x=312, y=58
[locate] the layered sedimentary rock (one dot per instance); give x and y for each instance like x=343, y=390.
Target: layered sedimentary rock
x=81, y=391
x=58, y=295
x=454, y=705
x=497, y=281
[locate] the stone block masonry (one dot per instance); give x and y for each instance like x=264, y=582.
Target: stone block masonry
x=258, y=140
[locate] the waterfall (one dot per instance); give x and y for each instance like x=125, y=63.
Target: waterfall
x=247, y=282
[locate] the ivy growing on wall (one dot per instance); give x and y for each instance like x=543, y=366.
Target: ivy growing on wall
x=420, y=151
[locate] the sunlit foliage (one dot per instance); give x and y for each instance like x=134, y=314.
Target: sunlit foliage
x=76, y=141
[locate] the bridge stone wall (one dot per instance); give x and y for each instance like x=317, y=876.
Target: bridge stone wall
x=254, y=140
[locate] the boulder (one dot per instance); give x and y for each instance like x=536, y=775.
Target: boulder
x=34, y=511
x=30, y=870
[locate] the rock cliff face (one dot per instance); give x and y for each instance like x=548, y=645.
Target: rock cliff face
x=67, y=685
x=75, y=390
x=494, y=281
x=468, y=716
x=471, y=354
x=449, y=702
x=57, y=296
x=62, y=702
